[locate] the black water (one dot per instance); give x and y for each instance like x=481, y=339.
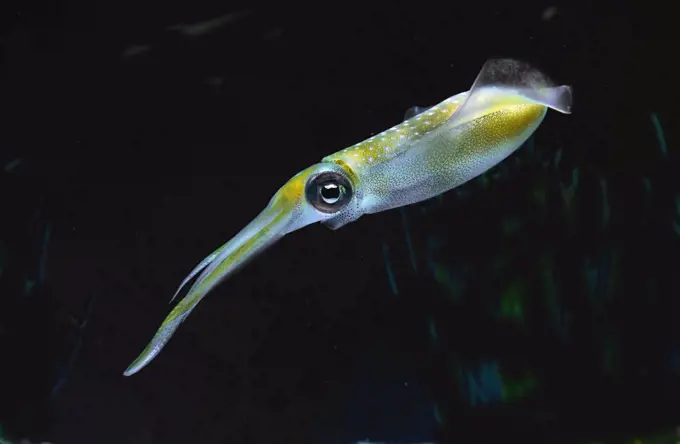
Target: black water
x=132, y=148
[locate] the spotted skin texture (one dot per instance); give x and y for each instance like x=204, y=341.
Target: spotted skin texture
x=383, y=147
x=432, y=152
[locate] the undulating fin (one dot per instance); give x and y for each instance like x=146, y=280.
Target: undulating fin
x=506, y=82
x=414, y=111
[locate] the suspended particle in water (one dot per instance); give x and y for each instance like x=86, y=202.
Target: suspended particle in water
x=549, y=13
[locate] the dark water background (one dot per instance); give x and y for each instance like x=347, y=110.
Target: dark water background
x=538, y=303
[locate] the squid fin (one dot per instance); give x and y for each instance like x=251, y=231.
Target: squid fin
x=506, y=82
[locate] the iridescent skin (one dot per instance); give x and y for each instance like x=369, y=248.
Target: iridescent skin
x=426, y=155
x=430, y=154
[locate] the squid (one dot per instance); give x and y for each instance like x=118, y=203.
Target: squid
x=433, y=150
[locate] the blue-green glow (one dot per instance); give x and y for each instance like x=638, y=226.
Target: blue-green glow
x=659, y=134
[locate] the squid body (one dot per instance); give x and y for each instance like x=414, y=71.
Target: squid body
x=432, y=151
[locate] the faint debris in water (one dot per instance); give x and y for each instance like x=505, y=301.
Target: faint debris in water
x=511, y=225
x=433, y=244
x=512, y=301
x=390, y=442
x=388, y=268
x=609, y=361
x=409, y=243
x=3, y=258
x=5, y=440
x=432, y=328
x=10, y=166
x=483, y=384
x=659, y=134
x=549, y=13
x=66, y=370
x=676, y=224
x=549, y=287
x=501, y=172
x=520, y=388
x=462, y=192
x=574, y=177
x=558, y=158
x=43, y=253
x=605, y=202
x=208, y=26
x=429, y=205
x=437, y=414
x=568, y=192
x=135, y=50
x=591, y=278
x=453, y=284
x=500, y=263
x=274, y=34
x=28, y=286
x=676, y=227
x=601, y=277
x=215, y=83
x=539, y=194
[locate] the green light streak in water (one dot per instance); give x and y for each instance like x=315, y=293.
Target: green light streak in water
x=512, y=301
x=659, y=134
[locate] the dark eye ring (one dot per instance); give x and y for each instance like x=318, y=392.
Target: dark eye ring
x=329, y=192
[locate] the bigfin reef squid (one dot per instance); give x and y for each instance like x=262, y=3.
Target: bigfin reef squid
x=432, y=151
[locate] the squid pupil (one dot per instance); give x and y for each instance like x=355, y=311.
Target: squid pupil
x=330, y=192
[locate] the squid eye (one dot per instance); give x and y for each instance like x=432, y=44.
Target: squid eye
x=329, y=192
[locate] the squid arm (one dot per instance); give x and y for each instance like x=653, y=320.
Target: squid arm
x=432, y=151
